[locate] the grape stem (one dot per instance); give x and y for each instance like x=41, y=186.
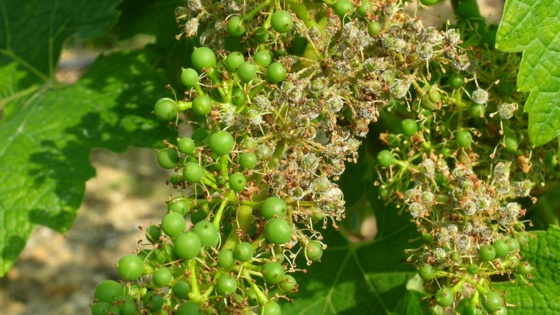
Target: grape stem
x=218, y=217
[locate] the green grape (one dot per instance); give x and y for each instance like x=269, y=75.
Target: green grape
x=233, y=60
x=162, y=277
x=282, y=21
x=501, y=247
x=477, y=110
x=108, y=290
x=427, y=272
x=165, y=109
x=130, y=267
x=365, y=8
x=492, y=301
x=456, y=80
x=189, y=77
x=501, y=311
x=203, y=57
x=374, y=28
x=221, y=142
x=248, y=160
x=100, y=308
x=463, y=138
x=385, y=158
x=487, y=253
x=276, y=72
x=511, y=143
x=343, y=8
x=243, y=252
x=445, y=297
x=270, y=308
x=153, y=233
x=187, y=245
x=167, y=158
x=202, y=105
x=263, y=58
x=179, y=205
x=208, y=233
x=173, y=224
x=237, y=182
x=429, y=2
x=261, y=35
x=525, y=268
x=235, y=26
x=252, y=297
x=181, y=289
x=193, y=172
x=274, y=206
x=472, y=269
x=513, y=244
x=227, y=285
x=409, y=127
x=278, y=231
x=238, y=97
x=225, y=258
x=273, y=272
x=186, y=145
x=153, y=301
x=314, y=250
x=189, y=308
x=128, y=307
x=288, y=284
x=247, y=71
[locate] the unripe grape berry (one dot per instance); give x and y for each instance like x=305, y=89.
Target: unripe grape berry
x=365, y=8
x=189, y=77
x=181, y=289
x=445, y=297
x=165, y=109
x=235, y=26
x=273, y=272
x=511, y=143
x=288, y=284
x=233, y=60
x=271, y=308
x=202, y=105
x=513, y=244
x=427, y=272
x=221, y=142
x=153, y=233
x=130, y=267
x=487, y=253
x=456, y=80
x=100, y=308
x=409, y=127
x=385, y=158
x=374, y=28
x=278, y=231
x=193, y=172
x=238, y=97
x=227, y=285
x=273, y=206
x=167, y=158
x=188, y=308
x=492, y=301
x=524, y=268
x=173, y=224
x=178, y=204
x=314, y=250
x=247, y=71
x=243, y=252
x=162, y=277
x=263, y=58
x=208, y=233
x=501, y=247
x=225, y=258
x=282, y=21
x=429, y=2
x=343, y=8
x=186, y=145
x=261, y=35
x=187, y=245
x=237, y=182
x=463, y=138
x=108, y=290
x=276, y=72
x=203, y=57
x=248, y=160
x=152, y=301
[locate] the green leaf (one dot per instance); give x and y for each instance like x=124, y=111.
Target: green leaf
x=32, y=34
x=541, y=297
x=46, y=145
x=359, y=278
x=532, y=26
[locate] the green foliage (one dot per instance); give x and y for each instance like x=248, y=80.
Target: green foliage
x=532, y=27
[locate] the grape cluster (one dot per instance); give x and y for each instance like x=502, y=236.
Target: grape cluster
x=280, y=95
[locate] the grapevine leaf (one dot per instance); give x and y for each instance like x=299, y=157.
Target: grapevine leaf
x=359, y=278
x=532, y=27
x=46, y=145
x=542, y=297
